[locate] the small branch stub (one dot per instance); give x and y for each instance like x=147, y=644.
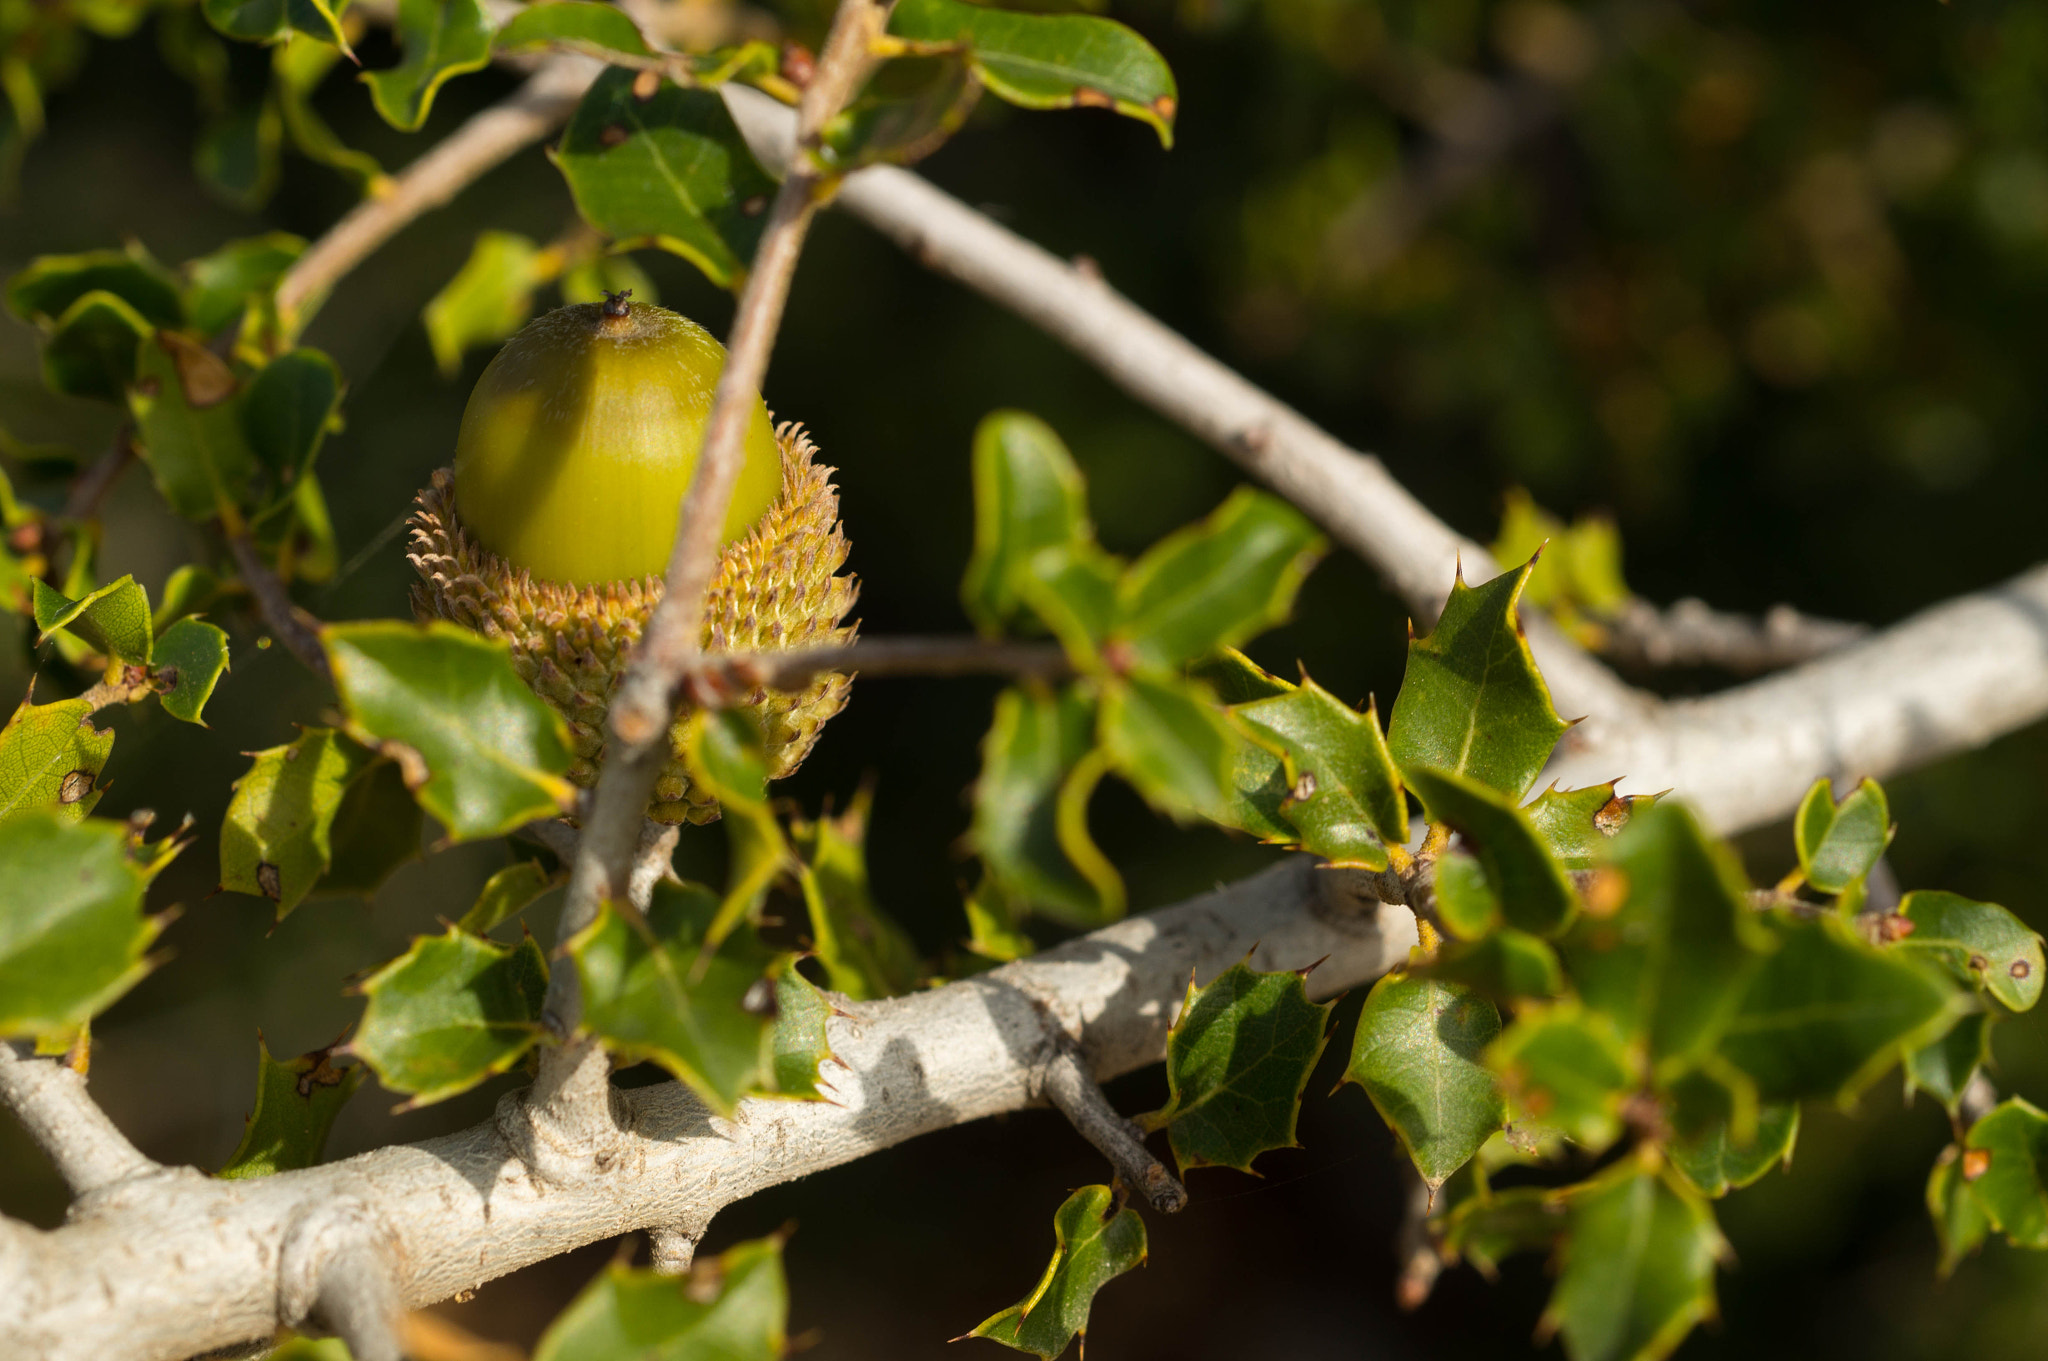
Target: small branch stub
x=1072, y=1089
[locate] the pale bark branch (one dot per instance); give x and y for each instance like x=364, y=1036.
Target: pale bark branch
x=1690, y=632
x=195, y=1265
x=1071, y=1088
x=51, y=1101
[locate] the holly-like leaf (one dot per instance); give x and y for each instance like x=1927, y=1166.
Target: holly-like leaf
x=491, y=296
x=1417, y=1053
x=296, y=1103
x=439, y=39
x=1051, y=61
x=669, y=171
x=657, y=989
x=732, y=1307
x=113, y=621
x=1566, y=1068
x=1028, y=496
x=450, y=1012
x=1071, y=587
x=2005, y=1162
x=269, y=21
x=1505, y=965
x=865, y=953
x=1467, y=905
x=1959, y=1221
x=1214, y=584
x=1716, y=1162
x=910, y=107
x=1578, y=824
x=53, y=284
x=190, y=658
x=1095, y=1242
x=287, y=411
x=1982, y=943
x=1486, y=1228
x=92, y=350
x=478, y=749
x=1668, y=965
x=1839, y=843
x=801, y=1043
x=1172, y=741
x=1343, y=793
x=506, y=894
x=73, y=935
x=1471, y=701
x=725, y=753
x=220, y=287
x=1638, y=1267
x=51, y=757
x=191, y=439
x=376, y=829
x=277, y=838
x=1237, y=1061
x=1826, y=1012
x=1534, y=894
x=577, y=25
x=1030, y=823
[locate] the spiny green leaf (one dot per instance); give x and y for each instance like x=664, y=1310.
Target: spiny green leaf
x=491, y=296
x=1668, y=965
x=269, y=21
x=506, y=894
x=1959, y=1221
x=1838, y=844
x=1716, y=1162
x=1507, y=964
x=910, y=107
x=51, y=757
x=1486, y=1228
x=1030, y=823
x=193, y=442
x=1216, y=583
x=1983, y=943
x=1051, y=61
x=1827, y=1012
x=1471, y=702
x=1028, y=495
x=1534, y=894
x=1237, y=679
x=1172, y=741
x=577, y=24
x=190, y=657
x=733, y=1307
x=440, y=39
x=657, y=989
x=451, y=1011
x=296, y=1103
x=1568, y=1069
x=53, y=284
x=1943, y=1068
x=478, y=749
x=1578, y=824
x=73, y=935
x=276, y=839
x=725, y=752
x=1237, y=1061
x=1638, y=1267
x=801, y=1043
x=1343, y=792
x=220, y=287
x=865, y=953
x=1071, y=587
x=287, y=411
x=1093, y=1246
x=92, y=349
x=671, y=171
x=2005, y=1162
x=114, y=620
x=1417, y=1054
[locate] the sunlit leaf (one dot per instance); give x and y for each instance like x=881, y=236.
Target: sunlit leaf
x=1839, y=844
x=189, y=659
x=73, y=936
x=2005, y=1162
x=506, y=894
x=1094, y=1244
x=1578, y=824
x=1171, y=741
x=268, y=21
x=113, y=621
x=296, y=1103
x=51, y=757
x=1467, y=904
x=865, y=953
x=1343, y=792
x=438, y=39
x=1030, y=822
x=1028, y=495
x=1506, y=964
x=1638, y=1267
x=491, y=296
x=579, y=25
x=1566, y=1068
x=1534, y=894
x=276, y=840
x=800, y=1042
x=287, y=411
x=478, y=749
x=451, y=1011
x=908, y=110
x=1237, y=1061
x=732, y=1307
x=1982, y=943
x=1471, y=701
x=1417, y=1053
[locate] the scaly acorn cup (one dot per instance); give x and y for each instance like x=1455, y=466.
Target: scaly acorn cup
x=553, y=531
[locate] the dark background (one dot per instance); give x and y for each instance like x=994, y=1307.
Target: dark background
x=1768, y=286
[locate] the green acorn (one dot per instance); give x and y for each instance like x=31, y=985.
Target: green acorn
x=553, y=530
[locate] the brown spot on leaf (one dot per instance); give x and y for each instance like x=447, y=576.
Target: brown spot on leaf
x=1978, y=963
x=1976, y=1162
x=164, y=679
x=1304, y=788
x=1612, y=815
x=1606, y=891
x=76, y=786
x=317, y=1070
x=2020, y=968
x=1088, y=97
x=614, y=134
x=1166, y=106
x=645, y=84
x=270, y=881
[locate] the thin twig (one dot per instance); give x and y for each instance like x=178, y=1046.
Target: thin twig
x=52, y=1103
x=722, y=679
x=1072, y=1089
x=1415, y=1246
x=290, y=625
x=1690, y=632
x=90, y=487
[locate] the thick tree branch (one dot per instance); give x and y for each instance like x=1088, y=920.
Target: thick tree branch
x=53, y=1105
x=196, y=1264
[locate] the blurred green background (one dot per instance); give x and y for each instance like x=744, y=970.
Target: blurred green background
x=1768, y=282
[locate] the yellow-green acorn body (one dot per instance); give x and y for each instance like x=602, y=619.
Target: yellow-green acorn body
x=553, y=530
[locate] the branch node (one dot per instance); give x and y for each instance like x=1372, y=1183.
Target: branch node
x=569, y=1126
x=337, y=1271
x=674, y=1247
